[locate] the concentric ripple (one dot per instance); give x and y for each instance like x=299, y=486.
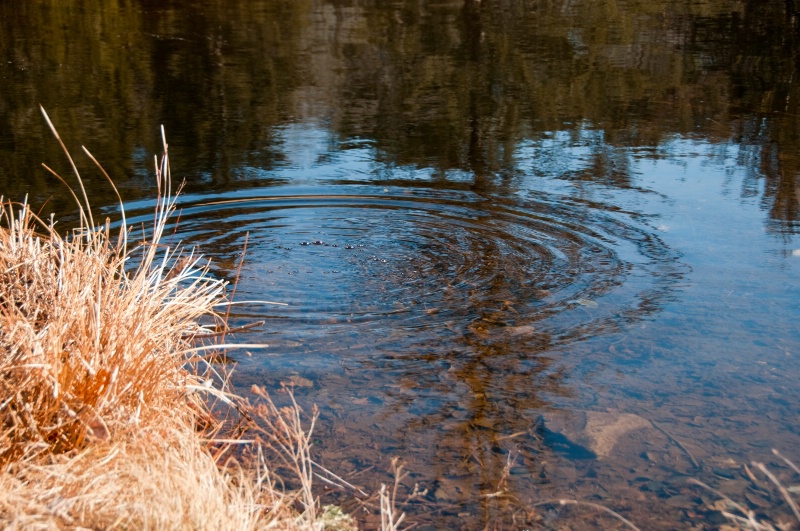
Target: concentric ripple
x=394, y=269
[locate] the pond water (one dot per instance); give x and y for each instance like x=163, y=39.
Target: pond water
x=535, y=249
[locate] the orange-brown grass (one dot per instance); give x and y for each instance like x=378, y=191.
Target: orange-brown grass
x=105, y=416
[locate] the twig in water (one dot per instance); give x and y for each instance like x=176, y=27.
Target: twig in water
x=240, y=303
x=789, y=463
x=226, y=331
x=511, y=460
x=236, y=280
x=594, y=506
x=781, y=489
x=676, y=441
x=751, y=517
x=337, y=477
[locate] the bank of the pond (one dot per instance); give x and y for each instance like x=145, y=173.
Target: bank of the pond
x=108, y=404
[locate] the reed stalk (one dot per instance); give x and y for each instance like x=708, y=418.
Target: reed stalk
x=106, y=392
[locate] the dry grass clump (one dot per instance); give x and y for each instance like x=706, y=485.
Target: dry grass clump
x=88, y=350
x=105, y=417
x=160, y=479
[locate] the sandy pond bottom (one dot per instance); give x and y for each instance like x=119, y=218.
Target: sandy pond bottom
x=490, y=461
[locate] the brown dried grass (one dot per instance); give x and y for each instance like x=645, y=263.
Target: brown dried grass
x=105, y=395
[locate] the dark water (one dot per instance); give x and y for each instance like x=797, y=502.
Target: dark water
x=537, y=249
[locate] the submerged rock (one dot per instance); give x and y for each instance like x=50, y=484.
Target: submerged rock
x=587, y=434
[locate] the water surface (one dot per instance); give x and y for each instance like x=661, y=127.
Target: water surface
x=493, y=224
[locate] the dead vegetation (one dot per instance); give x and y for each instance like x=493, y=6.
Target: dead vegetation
x=108, y=400
x=741, y=514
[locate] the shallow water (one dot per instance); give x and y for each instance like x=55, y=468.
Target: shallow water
x=538, y=250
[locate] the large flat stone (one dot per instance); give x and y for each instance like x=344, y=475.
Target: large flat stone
x=597, y=432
